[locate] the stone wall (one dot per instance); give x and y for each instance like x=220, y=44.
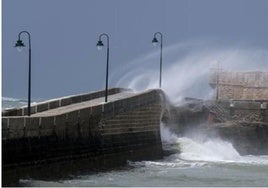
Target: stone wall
x=125, y=125
x=240, y=85
x=242, y=111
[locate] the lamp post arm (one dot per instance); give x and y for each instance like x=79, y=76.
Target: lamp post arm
x=107, y=37
x=29, y=37
x=161, y=36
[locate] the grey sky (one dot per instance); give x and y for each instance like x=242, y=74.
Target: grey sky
x=64, y=35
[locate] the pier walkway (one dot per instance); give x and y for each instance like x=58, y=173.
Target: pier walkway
x=83, y=105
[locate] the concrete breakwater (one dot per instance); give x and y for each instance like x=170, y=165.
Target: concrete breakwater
x=83, y=126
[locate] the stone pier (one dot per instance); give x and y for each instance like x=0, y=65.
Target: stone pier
x=83, y=126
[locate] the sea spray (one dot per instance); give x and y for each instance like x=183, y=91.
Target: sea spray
x=167, y=136
x=186, y=68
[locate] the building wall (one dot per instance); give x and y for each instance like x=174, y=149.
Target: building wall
x=240, y=85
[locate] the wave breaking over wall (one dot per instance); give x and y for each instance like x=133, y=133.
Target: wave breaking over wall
x=186, y=68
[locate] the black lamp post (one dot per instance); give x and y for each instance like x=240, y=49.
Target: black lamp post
x=19, y=45
x=99, y=46
x=155, y=43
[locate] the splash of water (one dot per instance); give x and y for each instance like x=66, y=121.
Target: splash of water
x=186, y=68
x=210, y=150
x=198, y=148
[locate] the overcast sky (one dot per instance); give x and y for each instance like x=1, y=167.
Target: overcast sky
x=64, y=34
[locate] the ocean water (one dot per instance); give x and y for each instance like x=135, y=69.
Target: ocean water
x=194, y=162
x=8, y=103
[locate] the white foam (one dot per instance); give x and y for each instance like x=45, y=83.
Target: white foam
x=208, y=149
x=167, y=163
x=10, y=99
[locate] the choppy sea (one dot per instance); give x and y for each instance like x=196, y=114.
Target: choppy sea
x=197, y=162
